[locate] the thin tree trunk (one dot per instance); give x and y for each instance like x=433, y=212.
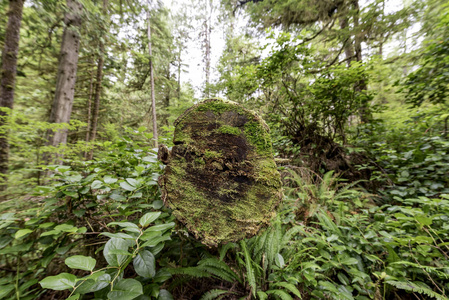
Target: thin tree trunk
x=65, y=83
x=348, y=48
x=89, y=109
x=178, y=90
x=98, y=89
x=8, y=79
x=207, y=34
x=153, y=99
x=365, y=114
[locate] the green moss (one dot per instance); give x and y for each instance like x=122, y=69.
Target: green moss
x=259, y=137
x=212, y=154
x=235, y=210
x=226, y=129
x=219, y=106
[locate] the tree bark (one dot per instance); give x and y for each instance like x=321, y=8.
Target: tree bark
x=207, y=34
x=361, y=86
x=8, y=79
x=98, y=88
x=153, y=99
x=65, y=83
x=89, y=108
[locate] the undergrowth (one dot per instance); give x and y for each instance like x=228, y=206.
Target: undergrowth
x=99, y=230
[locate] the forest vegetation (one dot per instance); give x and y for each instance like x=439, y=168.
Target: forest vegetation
x=356, y=97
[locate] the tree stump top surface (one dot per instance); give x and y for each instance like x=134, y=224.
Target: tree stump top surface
x=221, y=179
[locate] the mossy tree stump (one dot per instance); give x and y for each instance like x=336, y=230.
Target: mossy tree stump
x=221, y=179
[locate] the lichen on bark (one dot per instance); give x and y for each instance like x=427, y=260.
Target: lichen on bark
x=221, y=179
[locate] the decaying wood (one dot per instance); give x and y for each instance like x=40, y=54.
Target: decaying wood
x=221, y=179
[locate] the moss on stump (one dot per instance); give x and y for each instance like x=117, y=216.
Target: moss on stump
x=221, y=179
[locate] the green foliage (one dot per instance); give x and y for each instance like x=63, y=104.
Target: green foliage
x=430, y=81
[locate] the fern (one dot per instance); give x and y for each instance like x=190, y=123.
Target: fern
x=190, y=271
x=428, y=269
x=414, y=287
x=281, y=294
x=262, y=295
x=218, y=268
x=292, y=288
x=225, y=249
x=249, y=269
x=213, y=294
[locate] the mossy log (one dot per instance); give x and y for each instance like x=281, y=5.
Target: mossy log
x=221, y=179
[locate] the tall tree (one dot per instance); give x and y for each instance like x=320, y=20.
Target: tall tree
x=98, y=82
x=8, y=78
x=153, y=98
x=66, y=79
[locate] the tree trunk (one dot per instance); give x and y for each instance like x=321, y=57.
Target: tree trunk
x=349, y=49
x=153, y=99
x=8, y=78
x=65, y=83
x=207, y=34
x=98, y=88
x=221, y=180
x=365, y=114
x=89, y=108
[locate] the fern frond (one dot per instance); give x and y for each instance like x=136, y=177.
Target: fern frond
x=249, y=269
x=280, y=293
x=292, y=288
x=190, y=271
x=225, y=249
x=218, y=268
x=414, y=287
x=213, y=294
x=431, y=270
x=262, y=295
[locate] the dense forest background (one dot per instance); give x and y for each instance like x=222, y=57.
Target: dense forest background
x=355, y=94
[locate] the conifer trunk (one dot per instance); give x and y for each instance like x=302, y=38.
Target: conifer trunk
x=153, y=99
x=207, y=34
x=65, y=83
x=8, y=78
x=361, y=85
x=98, y=89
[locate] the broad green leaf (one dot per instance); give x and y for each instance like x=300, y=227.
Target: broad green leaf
x=22, y=232
x=115, y=244
x=164, y=295
x=93, y=285
x=132, y=182
x=161, y=227
x=66, y=228
x=148, y=218
x=127, y=187
x=120, y=235
x=279, y=260
x=96, y=184
x=81, y=262
x=74, y=297
x=124, y=224
x=424, y=220
x=16, y=248
x=144, y=264
x=117, y=197
x=60, y=282
x=109, y=180
x=349, y=261
x=152, y=242
x=126, y=289
x=150, y=159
